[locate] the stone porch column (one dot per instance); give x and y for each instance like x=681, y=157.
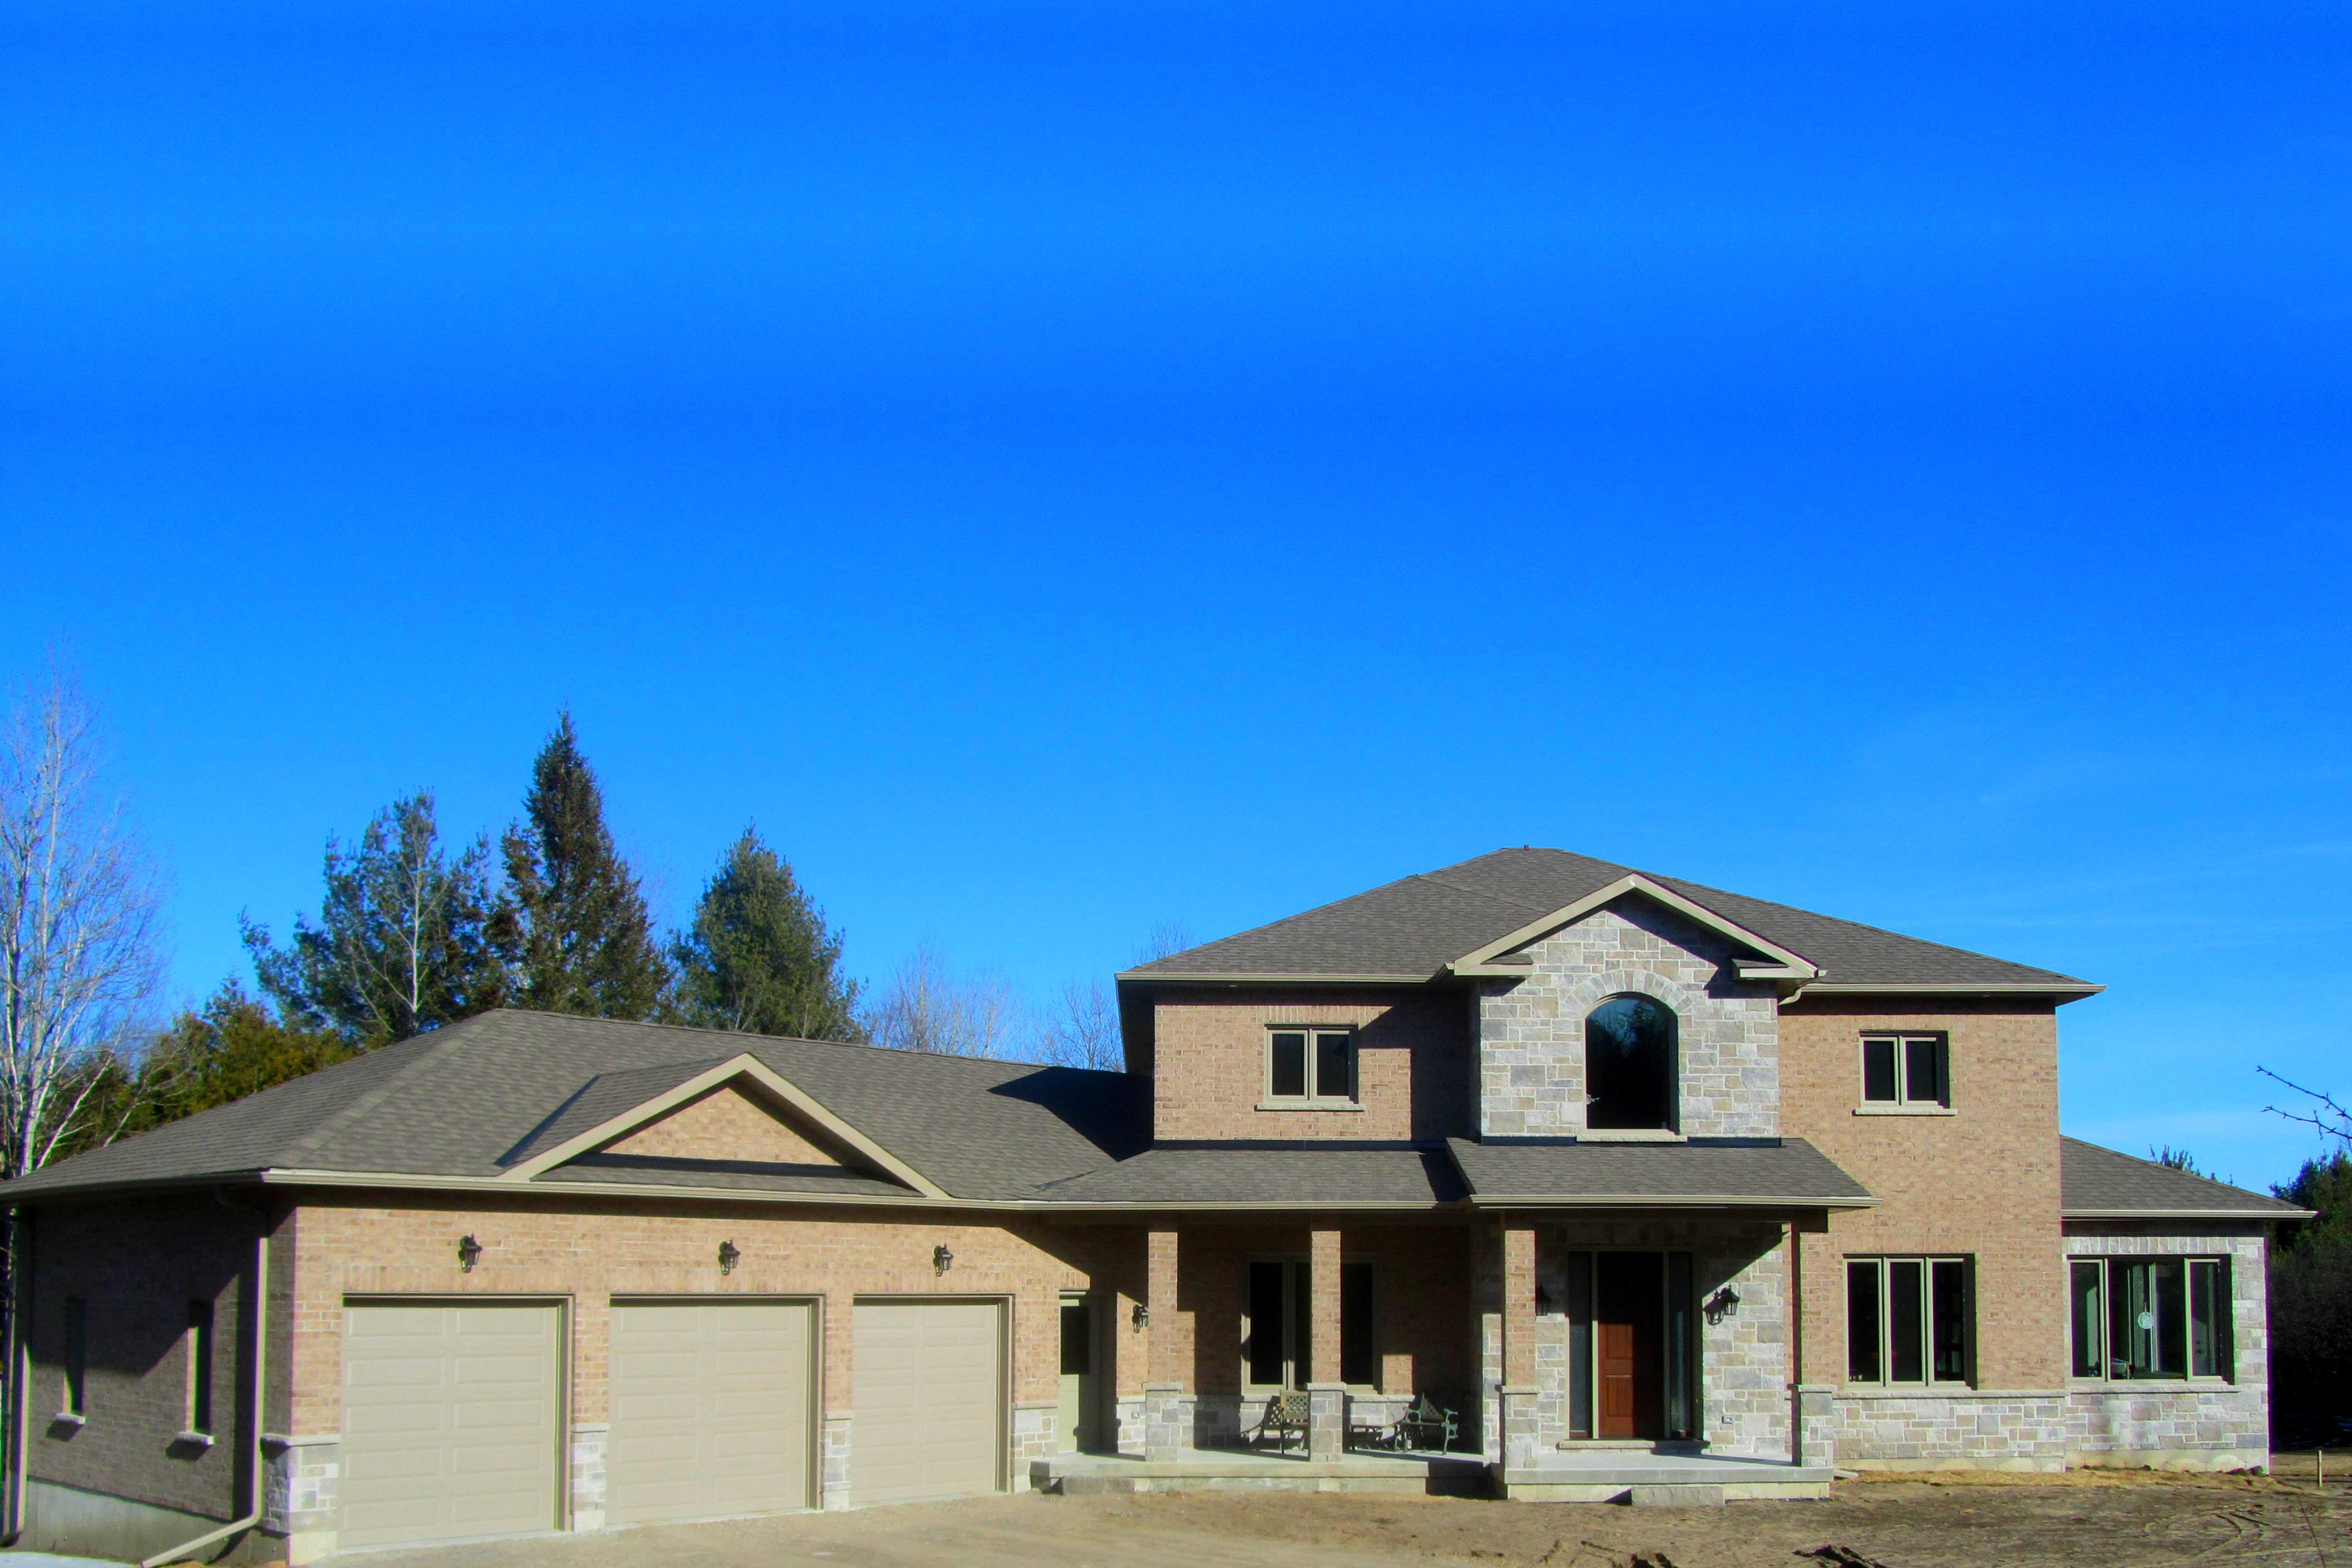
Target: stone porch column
x=1327, y=1395
x=1167, y=1409
x=1517, y=1393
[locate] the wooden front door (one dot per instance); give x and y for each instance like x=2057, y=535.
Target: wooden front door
x=1629, y=1332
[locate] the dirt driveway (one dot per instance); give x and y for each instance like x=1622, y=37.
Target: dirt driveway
x=2080, y=1521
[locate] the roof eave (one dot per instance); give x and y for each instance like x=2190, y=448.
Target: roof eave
x=2070, y=989
x=1654, y=1201
x=2279, y=1216
x=1288, y=977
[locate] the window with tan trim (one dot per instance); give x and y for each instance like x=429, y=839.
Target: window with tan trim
x=1309, y=1065
x=1907, y=1072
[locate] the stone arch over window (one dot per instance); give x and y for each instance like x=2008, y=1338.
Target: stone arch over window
x=1632, y=1065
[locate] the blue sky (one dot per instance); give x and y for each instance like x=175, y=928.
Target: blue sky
x=1061, y=468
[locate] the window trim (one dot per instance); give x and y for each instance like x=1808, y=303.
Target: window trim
x=73, y=1401
x=198, y=1408
x=1269, y=1101
x=1885, y=1383
x=2226, y=1345
x=1295, y=1357
x=1903, y=1104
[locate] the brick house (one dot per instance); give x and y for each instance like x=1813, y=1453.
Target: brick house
x=1647, y=1182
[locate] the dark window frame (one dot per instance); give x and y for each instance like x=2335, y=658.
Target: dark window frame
x=1911, y=1320
x=2151, y=1316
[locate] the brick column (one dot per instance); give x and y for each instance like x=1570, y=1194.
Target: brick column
x=836, y=1321
x=1327, y=1396
x=1517, y=1393
x=1166, y=1410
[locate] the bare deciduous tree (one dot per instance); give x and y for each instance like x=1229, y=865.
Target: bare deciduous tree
x=1082, y=1031
x=78, y=914
x=926, y=1009
x=2324, y=1113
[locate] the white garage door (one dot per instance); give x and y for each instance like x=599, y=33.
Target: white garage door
x=449, y=1421
x=710, y=1410
x=930, y=1414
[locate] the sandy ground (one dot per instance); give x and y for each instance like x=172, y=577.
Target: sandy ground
x=2084, y=1520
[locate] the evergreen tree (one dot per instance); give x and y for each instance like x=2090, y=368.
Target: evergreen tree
x=758, y=957
x=405, y=941
x=2311, y=1292
x=230, y=1048
x=581, y=939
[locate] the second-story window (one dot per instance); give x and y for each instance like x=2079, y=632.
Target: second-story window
x=1628, y=1066
x=1307, y=1065
x=1905, y=1070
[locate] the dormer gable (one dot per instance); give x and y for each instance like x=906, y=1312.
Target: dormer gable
x=739, y=1112
x=732, y=1123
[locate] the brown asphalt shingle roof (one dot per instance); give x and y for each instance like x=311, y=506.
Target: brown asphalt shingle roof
x=1417, y=925
x=1735, y=1169
x=2098, y=1181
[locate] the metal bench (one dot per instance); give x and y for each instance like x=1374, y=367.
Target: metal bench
x=1425, y=1424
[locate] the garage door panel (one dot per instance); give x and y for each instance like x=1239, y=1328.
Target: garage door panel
x=712, y=1408
x=930, y=1414
x=450, y=1422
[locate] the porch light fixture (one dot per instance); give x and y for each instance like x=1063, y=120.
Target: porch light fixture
x=727, y=1256
x=942, y=1259
x=469, y=1252
x=1722, y=1304
x=1142, y=1316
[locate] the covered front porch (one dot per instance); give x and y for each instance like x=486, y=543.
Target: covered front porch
x=1578, y=1354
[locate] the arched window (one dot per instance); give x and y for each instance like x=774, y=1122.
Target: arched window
x=1628, y=1066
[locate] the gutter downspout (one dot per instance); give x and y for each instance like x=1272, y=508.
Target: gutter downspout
x=259, y=1389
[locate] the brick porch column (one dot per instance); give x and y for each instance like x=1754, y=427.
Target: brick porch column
x=1327, y=1396
x=1167, y=1411
x=1517, y=1393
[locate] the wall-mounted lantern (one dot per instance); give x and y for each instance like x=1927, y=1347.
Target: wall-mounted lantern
x=1142, y=1315
x=942, y=1259
x=469, y=1252
x=727, y=1256
x=1723, y=1304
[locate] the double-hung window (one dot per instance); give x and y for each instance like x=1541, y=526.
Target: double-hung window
x=1905, y=1072
x=2149, y=1317
x=1308, y=1066
x=1908, y=1320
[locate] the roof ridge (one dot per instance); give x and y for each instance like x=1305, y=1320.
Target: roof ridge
x=443, y=1042
x=899, y=1051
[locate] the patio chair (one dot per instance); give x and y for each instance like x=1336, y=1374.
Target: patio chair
x=1425, y=1424
x=1285, y=1418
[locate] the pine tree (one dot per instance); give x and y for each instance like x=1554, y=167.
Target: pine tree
x=758, y=957
x=582, y=939
x=405, y=941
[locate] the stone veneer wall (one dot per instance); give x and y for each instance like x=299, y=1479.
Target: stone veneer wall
x=1744, y=1367
x=1951, y=1430
x=2172, y=1424
x=1531, y=1032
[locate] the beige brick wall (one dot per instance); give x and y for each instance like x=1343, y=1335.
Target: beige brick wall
x=136, y=1267
x=1981, y=1182
x=585, y=1252
x=725, y=1124
x=1413, y=1066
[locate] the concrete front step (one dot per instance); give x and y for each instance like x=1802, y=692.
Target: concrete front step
x=1671, y=1480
